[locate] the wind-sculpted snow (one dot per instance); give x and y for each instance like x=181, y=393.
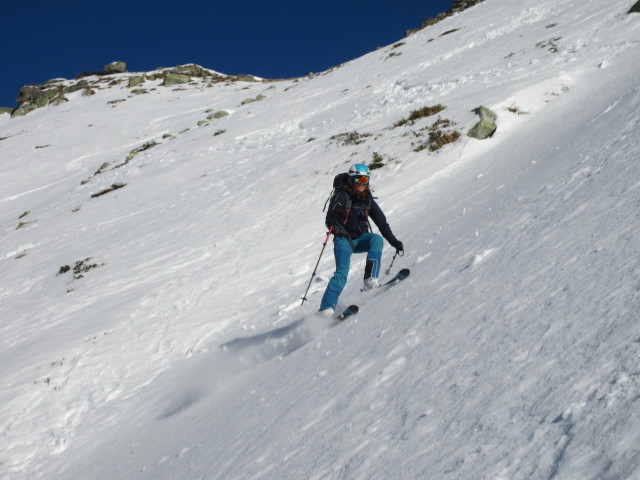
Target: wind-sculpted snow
x=510, y=353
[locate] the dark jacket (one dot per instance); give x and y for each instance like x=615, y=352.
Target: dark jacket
x=353, y=221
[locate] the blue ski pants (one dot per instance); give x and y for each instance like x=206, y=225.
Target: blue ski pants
x=371, y=243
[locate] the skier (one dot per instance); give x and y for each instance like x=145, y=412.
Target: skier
x=349, y=210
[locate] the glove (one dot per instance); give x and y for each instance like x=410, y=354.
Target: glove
x=398, y=246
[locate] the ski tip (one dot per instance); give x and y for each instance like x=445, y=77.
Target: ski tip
x=350, y=311
x=401, y=275
x=353, y=309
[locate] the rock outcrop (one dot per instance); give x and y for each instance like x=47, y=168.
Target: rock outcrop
x=486, y=127
x=458, y=6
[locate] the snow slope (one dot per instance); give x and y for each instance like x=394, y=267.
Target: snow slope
x=512, y=352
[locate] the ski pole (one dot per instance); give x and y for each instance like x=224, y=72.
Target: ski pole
x=304, y=299
x=393, y=260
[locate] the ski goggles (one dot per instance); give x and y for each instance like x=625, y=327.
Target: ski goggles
x=360, y=179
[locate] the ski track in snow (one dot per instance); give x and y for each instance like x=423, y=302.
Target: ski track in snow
x=510, y=353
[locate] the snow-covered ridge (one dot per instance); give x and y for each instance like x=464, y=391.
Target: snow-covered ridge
x=168, y=348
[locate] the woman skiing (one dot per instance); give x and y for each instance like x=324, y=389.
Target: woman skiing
x=348, y=219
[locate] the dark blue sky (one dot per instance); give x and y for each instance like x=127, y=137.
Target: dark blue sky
x=279, y=39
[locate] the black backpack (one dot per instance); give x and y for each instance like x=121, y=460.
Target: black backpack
x=340, y=182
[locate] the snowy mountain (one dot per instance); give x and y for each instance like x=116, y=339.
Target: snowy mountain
x=153, y=261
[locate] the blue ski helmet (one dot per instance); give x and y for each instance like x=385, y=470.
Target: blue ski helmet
x=359, y=173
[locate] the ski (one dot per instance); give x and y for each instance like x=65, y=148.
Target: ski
x=353, y=309
x=350, y=311
x=401, y=275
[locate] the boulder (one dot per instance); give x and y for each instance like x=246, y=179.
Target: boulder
x=192, y=70
x=135, y=81
x=486, y=127
x=175, y=79
x=216, y=115
x=36, y=96
x=81, y=85
x=115, y=67
x=23, y=109
x=39, y=95
x=251, y=100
